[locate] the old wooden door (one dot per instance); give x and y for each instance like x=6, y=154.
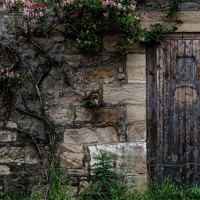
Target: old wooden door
x=173, y=116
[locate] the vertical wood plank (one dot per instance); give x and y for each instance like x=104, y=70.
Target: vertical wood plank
x=174, y=109
x=160, y=111
x=166, y=96
x=181, y=107
x=151, y=112
x=188, y=112
x=196, y=106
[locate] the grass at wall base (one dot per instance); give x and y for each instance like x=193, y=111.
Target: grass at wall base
x=107, y=184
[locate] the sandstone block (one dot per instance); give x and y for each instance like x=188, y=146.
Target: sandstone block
x=69, y=98
x=109, y=42
x=44, y=42
x=136, y=60
x=71, y=155
x=185, y=16
x=99, y=75
x=190, y=20
x=135, y=113
x=136, y=131
x=136, y=74
x=77, y=172
x=136, y=68
x=83, y=114
x=109, y=116
x=18, y=155
x=58, y=39
x=189, y=27
x=61, y=116
x=154, y=16
x=73, y=60
x=103, y=60
x=26, y=47
x=8, y=136
x=4, y=170
x=58, y=48
x=71, y=46
x=53, y=84
x=88, y=136
x=11, y=125
x=127, y=93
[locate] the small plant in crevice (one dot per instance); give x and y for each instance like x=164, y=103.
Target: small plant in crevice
x=92, y=99
x=106, y=182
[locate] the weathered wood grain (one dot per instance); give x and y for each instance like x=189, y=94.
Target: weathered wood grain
x=173, y=96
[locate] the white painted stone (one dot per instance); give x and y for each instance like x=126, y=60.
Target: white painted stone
x=127, y=154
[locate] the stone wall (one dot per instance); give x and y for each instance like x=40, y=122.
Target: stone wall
x=118, y=127
x=158, y=5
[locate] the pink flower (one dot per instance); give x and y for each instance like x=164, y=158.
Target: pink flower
x=95, y=101
x=65, y=2
x=119, y=6
x=132, y=7
x=34, y=10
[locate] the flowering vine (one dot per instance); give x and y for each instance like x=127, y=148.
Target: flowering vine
x=27, y=7
x=81, y=20
x=84, y=20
